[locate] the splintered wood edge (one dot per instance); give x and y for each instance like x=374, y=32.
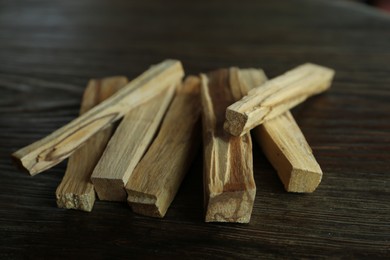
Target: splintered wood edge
x=60, y=144
x=72, y=200
x=232, y=204
x=297, y=175
x=219, y=206
x=245, y=114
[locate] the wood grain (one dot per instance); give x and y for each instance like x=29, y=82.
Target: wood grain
x=59, y=145
x=288, y=151
x=281, y=140
x=228, y=169
x=53, y=48
x=157, y=178
x=277, y=96
x=127, y=146
x=76, y=190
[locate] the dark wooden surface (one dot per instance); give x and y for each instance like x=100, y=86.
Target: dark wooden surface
x=49, y=49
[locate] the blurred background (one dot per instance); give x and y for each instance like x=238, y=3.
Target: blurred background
x=381, y=4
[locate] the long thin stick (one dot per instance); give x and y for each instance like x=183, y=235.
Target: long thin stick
x=228, y=170
x=158, y=176
x=59, y=145
x=127, y=146
x=277, y=96
x=76, y=190
x=282, y=141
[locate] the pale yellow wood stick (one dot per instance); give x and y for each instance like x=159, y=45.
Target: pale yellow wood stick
x=228, y=168
x=60, y=144
x=76, y=189
x=157, y=178
x=127, y=146
x=288, y=151
x=277, y=96
x=282, y=141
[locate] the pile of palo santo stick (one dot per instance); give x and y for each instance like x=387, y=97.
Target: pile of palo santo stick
x=145, y=158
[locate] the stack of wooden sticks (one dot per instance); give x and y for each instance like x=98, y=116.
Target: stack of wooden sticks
x=145, y=158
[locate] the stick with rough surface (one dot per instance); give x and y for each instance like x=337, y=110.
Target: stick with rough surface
x=158, y=176
x=127, y=146
x=76, y=190
x=276, y=96
x=282, y=141
x=60, y=144
x=228, y=168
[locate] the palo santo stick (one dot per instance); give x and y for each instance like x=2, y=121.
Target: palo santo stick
x=228, y=168
x=288, y=151
x=60, y=144
x=126, y=147
x=282, y=141
x=157, y=178
x=277, y=96
x=76, y=190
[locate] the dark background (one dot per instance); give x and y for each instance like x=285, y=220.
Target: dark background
x=49, y=50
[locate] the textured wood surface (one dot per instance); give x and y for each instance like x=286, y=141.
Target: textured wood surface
x=281, y=140
x=76, y=190
x=276, y=96
x=59, y=145
x=129, y=143
x=50, y=49
x=229, y=186
x=157, y=178
x=287, y=150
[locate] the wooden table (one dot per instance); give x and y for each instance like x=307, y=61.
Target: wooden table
x=49, y=49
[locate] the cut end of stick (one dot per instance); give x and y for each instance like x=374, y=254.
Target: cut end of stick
x=276, y=96
x=144, y=204
x=286, y=148
x=146, y=210
x=303, y=181
x=231, y=207
x=18, y=162
x=235, y=123
x=76, y=190
x=228, y=170
x=110, y=189
x=82, y=202
x=26, y=164
x=169, y=156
